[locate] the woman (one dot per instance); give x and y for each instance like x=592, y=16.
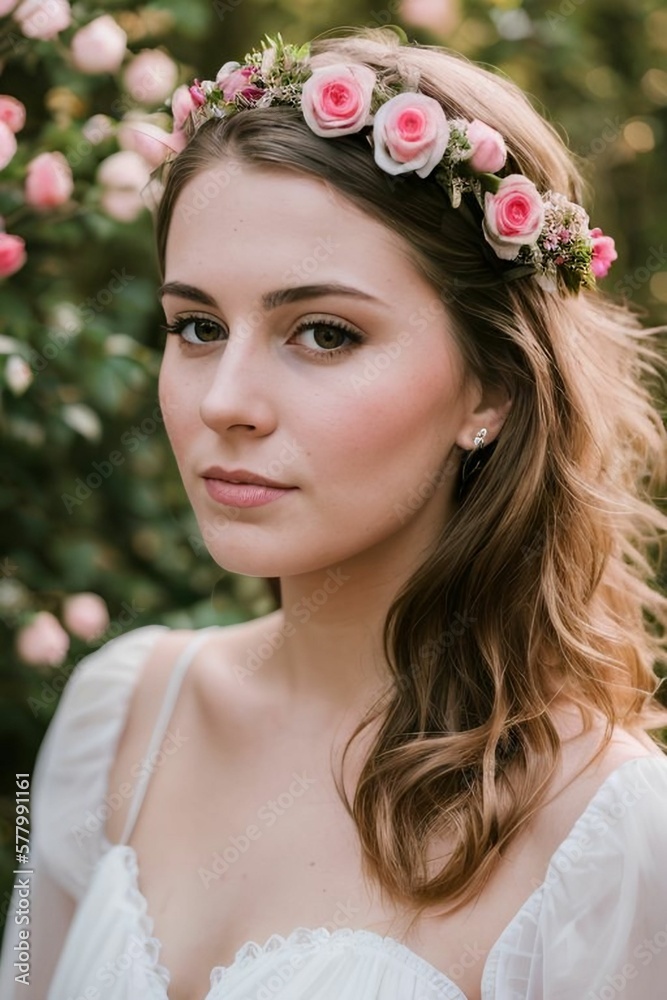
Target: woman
x=390, y=382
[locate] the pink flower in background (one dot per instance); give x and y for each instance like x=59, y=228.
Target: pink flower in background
x=44, y=642
x=513, y=216
x=488, y=148
x=150, y=141
x=98, y=128
x=604, y=252
x=151, y=76
x=12, y=254
x=121, y=204
x=123, y=176
x=123, y=170
x=49, y=181
x=441, y=16
x=8, y=145
x=337, y=99
x=100, y=46
x=85, y=615
x=43, y=19
x=12, y=112
x=182, y=105
x=410, y=132
x=7, y=6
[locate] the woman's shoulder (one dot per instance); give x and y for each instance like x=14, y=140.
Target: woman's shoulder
x=209, y=694
x=112, y=699
x=73, y=759
x=594, y=771
x=607, y=804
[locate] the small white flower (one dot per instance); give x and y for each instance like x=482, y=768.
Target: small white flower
x=268, y=61
x=18, y=374
x=224, y=70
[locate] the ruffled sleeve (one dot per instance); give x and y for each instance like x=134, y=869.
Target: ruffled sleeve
x=601, y=916
x=69, y=803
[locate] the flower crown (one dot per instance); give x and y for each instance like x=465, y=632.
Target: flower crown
x=544, y=234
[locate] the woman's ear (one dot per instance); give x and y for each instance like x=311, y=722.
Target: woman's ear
x=491, y=406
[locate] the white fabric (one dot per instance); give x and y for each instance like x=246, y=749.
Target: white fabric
x=596, y=929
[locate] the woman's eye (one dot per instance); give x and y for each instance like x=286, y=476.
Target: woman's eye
x=206, y=330
x=332, y=338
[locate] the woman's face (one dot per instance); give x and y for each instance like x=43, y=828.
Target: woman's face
x=355, y=399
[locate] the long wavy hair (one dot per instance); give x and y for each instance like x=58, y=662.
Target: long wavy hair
x=543, y=582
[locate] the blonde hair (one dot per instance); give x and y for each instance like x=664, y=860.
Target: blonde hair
x=546, y=566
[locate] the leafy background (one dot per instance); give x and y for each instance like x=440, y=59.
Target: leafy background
x=595, y=69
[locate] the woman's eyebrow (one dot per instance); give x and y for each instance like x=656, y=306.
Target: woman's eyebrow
x=271, y=300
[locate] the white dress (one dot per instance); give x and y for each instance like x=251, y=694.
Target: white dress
x=595, y=929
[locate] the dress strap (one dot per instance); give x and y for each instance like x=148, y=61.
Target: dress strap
x=183, y=661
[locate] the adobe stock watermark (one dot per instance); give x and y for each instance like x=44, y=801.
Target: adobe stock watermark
x=94, y=820
x=84, y=312
x=220, y=521
x=633, y=281
x=209, y=187
x=131, y=440
x=224, y=7
x=419, y=495
x=322, y=250
x=611, y=131
x=380, y=360
x=302, y=610
x=616, y=982
x=565, y=9
x=51, y=689
x=95, y=132
x=432, y=649
x=268, y=814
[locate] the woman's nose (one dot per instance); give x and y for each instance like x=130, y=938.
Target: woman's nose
x=241, y=384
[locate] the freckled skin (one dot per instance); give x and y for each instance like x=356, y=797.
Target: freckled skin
x=357, y=434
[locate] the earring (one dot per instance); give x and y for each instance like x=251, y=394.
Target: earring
x=472, y=460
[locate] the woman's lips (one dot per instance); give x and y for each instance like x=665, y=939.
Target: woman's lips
x=243, y=494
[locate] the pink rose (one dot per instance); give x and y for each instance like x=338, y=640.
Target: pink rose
x=123, y=176
x=49, y=181
x=150, y=141
x=100, y=46
x=604, y=252
x=513, y=216
x=7, y=6
x=12, y=112
x=85, y=615
x=488, y=148
x=44, y=642
x=122, y=204
x=12, y=254
x=236, y=81
x=337, y=99
x=182, y=105
x=126, y=169
x=43, y=18
x=410, y=132
x=151, y=76
x=8, y=145
x=97, y=128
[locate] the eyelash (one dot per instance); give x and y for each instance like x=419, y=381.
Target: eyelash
x=179, y=325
